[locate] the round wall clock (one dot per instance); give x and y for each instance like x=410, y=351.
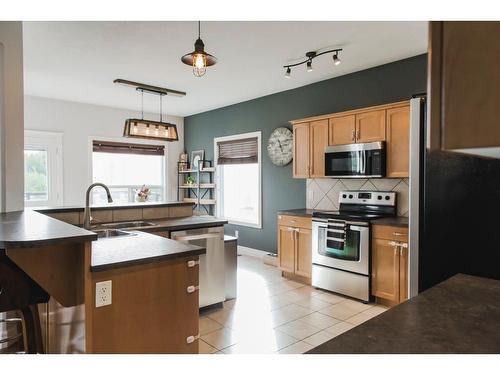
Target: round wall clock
x=280, y=146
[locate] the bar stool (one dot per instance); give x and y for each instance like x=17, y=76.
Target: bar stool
x=20, y=293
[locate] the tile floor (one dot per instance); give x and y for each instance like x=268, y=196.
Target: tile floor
x=276, y=315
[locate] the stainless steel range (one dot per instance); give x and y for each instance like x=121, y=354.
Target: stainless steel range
x=341, y=242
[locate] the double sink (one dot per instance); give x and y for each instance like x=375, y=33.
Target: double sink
x=117, y=229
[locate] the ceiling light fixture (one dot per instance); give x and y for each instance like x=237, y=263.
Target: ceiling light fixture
x=309, y=58
x=199, y=59
x=142, y=128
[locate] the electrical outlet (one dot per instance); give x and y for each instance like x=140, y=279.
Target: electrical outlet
x=236, y=233
x=103, y=293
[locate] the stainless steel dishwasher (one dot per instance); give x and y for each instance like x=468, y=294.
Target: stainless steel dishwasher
x=212, y=279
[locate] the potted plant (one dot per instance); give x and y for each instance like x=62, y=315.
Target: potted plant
x=190, y=180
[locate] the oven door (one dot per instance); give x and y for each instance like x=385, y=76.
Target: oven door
x=353, y=256
x=355, y=160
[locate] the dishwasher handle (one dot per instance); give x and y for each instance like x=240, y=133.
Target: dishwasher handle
x=196, y=237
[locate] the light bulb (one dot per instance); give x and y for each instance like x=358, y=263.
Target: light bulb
x=309, y=66
x=157, y=132
x=288, y=71
x=199, y=64
x=336, y=60
x=134, y=129
x=147, y=130
x=166, y=132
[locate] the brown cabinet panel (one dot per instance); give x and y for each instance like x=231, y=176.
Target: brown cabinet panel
x=303, y=254
x=286, y=248
x=385, y=270
x=398, y=141
x=318, y=141
x=342, y=130
x=370, y=126
x=301, y=150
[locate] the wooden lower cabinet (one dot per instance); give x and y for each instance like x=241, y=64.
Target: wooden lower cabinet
x=294, y=245
x=389, y=277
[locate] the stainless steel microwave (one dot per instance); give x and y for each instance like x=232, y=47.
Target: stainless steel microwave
x=356, y=160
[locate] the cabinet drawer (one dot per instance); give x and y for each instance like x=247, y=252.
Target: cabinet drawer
x=295, y=221
x=390, y=233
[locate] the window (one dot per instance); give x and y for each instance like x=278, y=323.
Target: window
x=238, y=178
x=125, y=168
x=42, y=168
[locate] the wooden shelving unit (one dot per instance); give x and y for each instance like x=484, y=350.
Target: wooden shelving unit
x=201, y=193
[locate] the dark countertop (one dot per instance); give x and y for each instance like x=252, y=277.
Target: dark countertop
x=116, y=206
x=397, y=221
x=305, y=212
x=139, y=248
x=459, y=315
x=191, y=222
x=22, y=229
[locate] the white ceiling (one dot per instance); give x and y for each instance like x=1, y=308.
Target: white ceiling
x=78, y=61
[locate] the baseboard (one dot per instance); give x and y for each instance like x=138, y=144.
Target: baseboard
x=244, y=250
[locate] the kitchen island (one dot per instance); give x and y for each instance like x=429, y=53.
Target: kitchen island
x=153, y=304
x=460, y=315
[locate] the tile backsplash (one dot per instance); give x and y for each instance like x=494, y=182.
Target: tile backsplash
x=323, y=193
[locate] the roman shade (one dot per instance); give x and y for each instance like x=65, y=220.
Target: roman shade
x=128, y=148
x=239, y=151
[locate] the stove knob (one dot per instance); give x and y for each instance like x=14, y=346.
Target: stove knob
x=387, y=197
x=350, y=196
x=379, y=197
x=344, y=196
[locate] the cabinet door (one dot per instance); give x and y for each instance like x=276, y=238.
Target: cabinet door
x=286, y=248
x=385, y=270
x=301, y=150
x=342, y=130
x=403, y=274
x=318, y=141
x=398, y=141
x=370, y=126
x=303, y=261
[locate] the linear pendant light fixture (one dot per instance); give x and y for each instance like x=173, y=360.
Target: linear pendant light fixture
x=199, y=59
x=310, y=56
x=150, y=129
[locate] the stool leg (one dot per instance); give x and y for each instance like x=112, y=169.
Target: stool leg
x=31, y=330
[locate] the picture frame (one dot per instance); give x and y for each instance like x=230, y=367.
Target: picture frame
x=196, y=156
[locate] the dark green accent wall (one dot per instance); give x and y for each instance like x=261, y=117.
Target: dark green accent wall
x=379, y=85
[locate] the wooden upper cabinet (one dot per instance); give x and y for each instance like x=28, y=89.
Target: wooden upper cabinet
x=286, y=248
x=385, y=270
x=398, y=141
x=464, y=82
x=370, y=126
x=342, y=130
x=318, y=139
x=301, y=150
x=303, y=255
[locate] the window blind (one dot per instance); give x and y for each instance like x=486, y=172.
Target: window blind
x=128, y=148
x=240, y=151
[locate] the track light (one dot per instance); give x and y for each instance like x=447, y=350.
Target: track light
x=336, y=60
x=310, y=56
x=309, y=66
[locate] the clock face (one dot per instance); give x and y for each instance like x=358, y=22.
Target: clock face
x=279, y=146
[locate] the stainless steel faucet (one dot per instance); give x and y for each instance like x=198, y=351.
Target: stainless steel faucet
x=86, y=214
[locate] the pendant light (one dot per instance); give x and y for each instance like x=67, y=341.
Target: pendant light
x=199, y=59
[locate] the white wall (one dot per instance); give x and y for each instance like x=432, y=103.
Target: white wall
x=11, y=117
x=78, y=122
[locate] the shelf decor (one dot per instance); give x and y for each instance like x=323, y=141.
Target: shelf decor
x=196, y=157
x=196, y=184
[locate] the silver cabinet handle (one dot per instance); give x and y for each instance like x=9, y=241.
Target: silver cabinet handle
x=353, y=135
x=192, y=288
x=192, y=263
x=358, y=134
x=393, y=243
x=398, y=234
x=191, y=339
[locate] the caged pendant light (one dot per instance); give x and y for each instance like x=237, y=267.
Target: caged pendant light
x=199, y=59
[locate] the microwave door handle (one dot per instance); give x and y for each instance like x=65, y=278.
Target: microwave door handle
x=364, y=162
x=360, y=161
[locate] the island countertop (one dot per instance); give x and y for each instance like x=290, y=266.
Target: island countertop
x=28, y=228
x=460, y=315
x=138, y=248
x=114, y=206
